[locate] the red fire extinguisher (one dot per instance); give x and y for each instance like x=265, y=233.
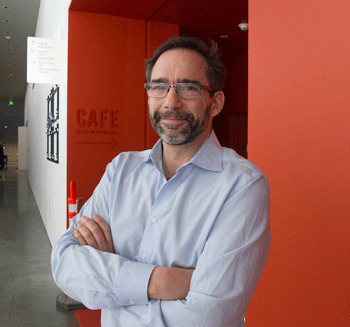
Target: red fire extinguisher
x=74, y=204
x=72, y=201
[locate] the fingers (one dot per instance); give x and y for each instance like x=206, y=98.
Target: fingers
x=95, y=233
x=106, y=232
x=80, y=238
x=87, y=234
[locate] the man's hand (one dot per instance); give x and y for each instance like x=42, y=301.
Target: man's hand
x=169, y=283
x=95, y=233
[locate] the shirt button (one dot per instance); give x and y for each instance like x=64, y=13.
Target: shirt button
x=154, y=220
x=131, y=302
x=143, y=256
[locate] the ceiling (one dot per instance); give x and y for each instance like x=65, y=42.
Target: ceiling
x=22, y=16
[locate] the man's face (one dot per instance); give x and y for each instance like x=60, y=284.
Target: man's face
x=179, y=121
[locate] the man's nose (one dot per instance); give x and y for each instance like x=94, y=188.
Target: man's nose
x=172, y=99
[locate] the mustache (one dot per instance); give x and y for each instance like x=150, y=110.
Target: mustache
x=172, y=114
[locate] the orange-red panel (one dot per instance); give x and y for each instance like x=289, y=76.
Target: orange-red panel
x=299, y=134
x=106, y=98
x=136, y=9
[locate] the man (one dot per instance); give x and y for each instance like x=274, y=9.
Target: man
x=179, y=234
x=2, y=157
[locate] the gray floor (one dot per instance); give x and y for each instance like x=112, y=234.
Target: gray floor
x=27, y=290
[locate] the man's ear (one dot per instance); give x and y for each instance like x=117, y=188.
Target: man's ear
x=217, y=103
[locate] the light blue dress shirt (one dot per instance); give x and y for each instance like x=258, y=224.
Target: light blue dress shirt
x=213, y=215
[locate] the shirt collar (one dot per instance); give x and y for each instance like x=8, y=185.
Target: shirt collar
x=209, y=156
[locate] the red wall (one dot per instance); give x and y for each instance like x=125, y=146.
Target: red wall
x=232, y=123
x=299, y=134
x=106, y=98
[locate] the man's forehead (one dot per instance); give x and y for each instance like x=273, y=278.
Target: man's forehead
x=180, y=54
x=183, y=66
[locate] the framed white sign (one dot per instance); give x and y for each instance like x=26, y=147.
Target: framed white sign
x=46, y=61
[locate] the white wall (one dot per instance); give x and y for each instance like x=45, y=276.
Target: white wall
x=48, y=179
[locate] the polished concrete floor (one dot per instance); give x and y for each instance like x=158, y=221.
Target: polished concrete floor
x=27, y=290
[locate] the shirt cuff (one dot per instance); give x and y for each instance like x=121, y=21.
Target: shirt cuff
x=132, y=283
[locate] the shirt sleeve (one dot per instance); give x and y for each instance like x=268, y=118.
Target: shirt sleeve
x=231, y=263
x=98, y=279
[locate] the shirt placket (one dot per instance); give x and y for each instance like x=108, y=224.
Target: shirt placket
x=156, y=216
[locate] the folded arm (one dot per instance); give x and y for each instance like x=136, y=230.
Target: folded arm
x=90, y=270
x=96, y=278
x=164, y=284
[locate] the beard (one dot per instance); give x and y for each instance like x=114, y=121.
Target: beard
x=177, y=136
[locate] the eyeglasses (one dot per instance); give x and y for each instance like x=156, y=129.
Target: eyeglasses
x=183, y=90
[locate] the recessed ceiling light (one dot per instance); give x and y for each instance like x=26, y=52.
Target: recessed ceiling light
x=8, y=37
x=224, y=36
x=243, y=26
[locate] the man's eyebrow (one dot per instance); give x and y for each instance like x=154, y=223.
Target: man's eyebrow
x=160, y=80
x=183, y=80
x=187, y=80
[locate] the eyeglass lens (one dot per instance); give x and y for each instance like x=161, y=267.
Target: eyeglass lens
x=184, y=90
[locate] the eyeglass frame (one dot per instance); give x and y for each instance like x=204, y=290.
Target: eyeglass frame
x=201, y=86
